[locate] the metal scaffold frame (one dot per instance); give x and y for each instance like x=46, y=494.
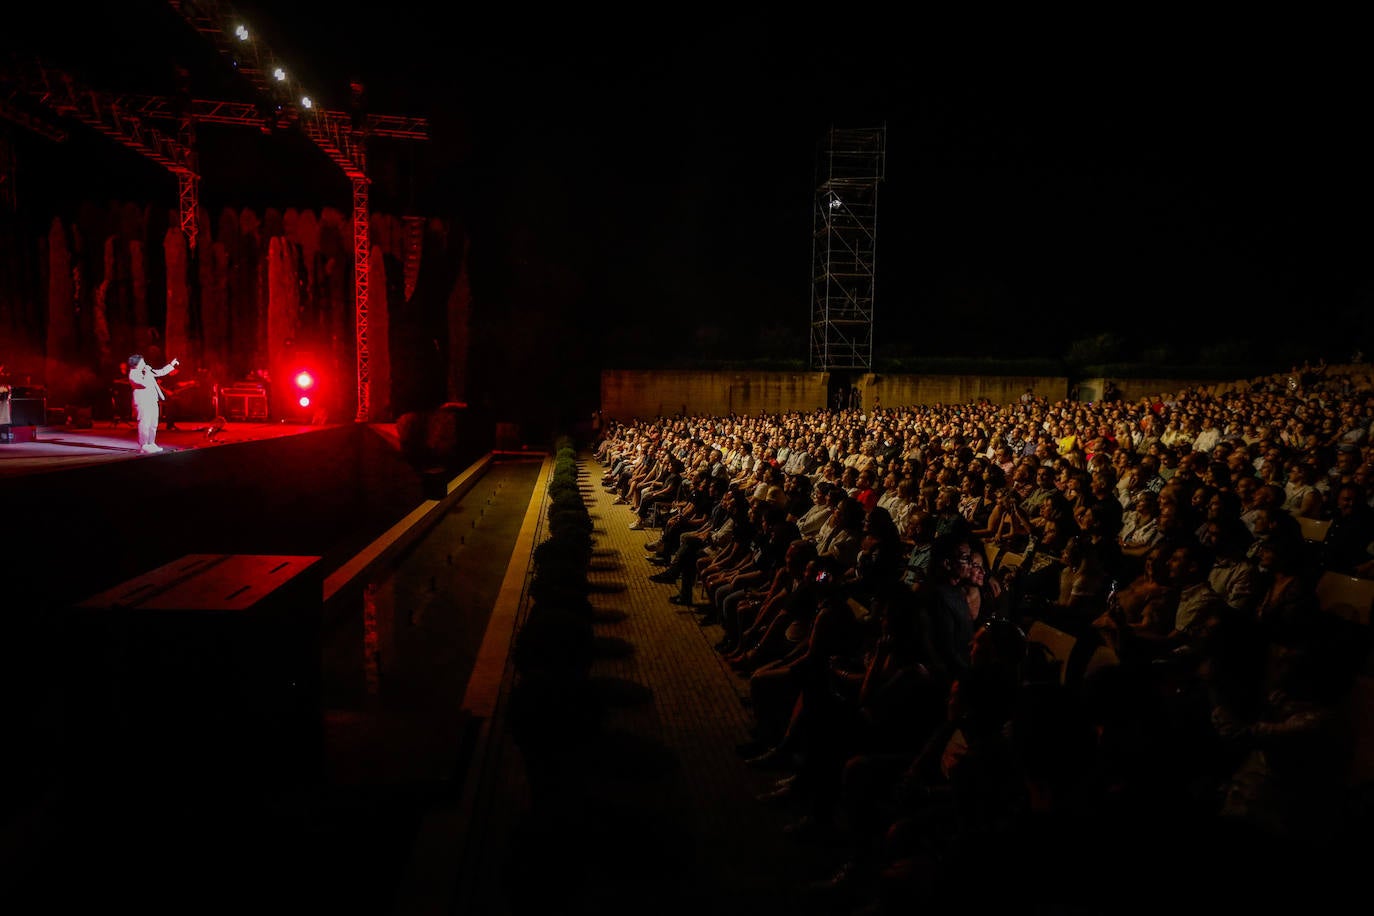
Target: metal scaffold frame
x=850, y=166
x=362, y=269
x=342, y=137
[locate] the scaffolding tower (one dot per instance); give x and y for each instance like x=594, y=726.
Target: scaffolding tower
x=850, y=165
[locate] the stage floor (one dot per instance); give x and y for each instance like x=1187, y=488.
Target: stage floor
x=58, y=447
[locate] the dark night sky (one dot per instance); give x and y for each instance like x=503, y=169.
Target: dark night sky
x=646, y=178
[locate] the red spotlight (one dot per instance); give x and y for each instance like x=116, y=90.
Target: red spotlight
x=303, y=385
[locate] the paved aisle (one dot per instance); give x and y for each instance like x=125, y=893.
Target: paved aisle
x=656, y=813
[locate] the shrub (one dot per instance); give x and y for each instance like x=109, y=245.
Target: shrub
x=556, y=641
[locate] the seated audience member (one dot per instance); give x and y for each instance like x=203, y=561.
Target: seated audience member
x=1301, y=497
x=1270, y=523
x=1233, y=576
x=1287, y=605
x=950, y=617
x=1034, y=584
x=1283, y=799
x=919, y=540
x=745, y=625
x=1101, y=499
x=746, y=543
x=946, y=511
x=1346, y=547
x=1190, y=565
x=901, y=503
x=972, y=505
x=1054, y=509
x=797, y=489
x=708, y=511
x=864, y=489
x=1139, y=618
x=1084, y=580
x=1006, y=526
x=845, y=536
x=730, y=532
x=881, y=558
x=958, y=792
x=753, y=578
x=663, y=490
x=824, y=627
x=811, y=521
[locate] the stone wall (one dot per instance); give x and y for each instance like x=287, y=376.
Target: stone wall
x=629, y=393
x=905, y=390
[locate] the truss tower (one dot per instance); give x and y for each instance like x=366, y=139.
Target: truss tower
x=849, y=168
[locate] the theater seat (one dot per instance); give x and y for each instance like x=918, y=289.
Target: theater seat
x=1348, y=597
x=1057, y=645
x=1313, y=529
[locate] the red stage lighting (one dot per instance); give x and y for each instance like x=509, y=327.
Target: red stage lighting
x=304, y=383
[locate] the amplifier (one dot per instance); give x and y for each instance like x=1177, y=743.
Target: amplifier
x=243, y=403
x=29, y=411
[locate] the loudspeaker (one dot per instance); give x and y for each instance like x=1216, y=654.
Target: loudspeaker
x=244, y=403
x=28, y=411
x=79, y=418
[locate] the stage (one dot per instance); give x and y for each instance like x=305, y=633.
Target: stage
x=85, y=508
x=59, y=447
x=171, y=699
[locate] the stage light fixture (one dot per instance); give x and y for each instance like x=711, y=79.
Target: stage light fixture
x=241, y=32
x=280, y=74
x=304, y=383
x=306, y=103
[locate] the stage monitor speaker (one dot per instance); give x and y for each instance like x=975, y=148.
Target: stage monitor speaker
x=79, y=418
x=29, y=411
x=244, y=403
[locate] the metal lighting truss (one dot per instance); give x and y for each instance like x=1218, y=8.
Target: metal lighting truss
x=341, y=137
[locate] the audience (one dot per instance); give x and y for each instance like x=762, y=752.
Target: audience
x=868, y=569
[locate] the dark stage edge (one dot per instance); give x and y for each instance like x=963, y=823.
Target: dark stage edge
x=174, y=841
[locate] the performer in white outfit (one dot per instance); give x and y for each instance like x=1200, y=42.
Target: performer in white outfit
x=147, y=394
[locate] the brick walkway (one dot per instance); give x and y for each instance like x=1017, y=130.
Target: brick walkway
x=655, y=811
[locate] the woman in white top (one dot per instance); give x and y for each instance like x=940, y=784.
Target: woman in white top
x=1140, y=526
